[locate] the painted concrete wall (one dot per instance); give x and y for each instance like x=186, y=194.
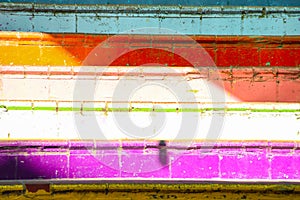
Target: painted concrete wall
x=145, y=160
x=235, y=125
x=176, y=2
x=251, y=69
x=119, y=19
x=46, y=49
x=31, y=86
x=182, y=191
x=270, y=66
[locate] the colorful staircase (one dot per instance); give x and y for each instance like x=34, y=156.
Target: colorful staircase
x=150, y=101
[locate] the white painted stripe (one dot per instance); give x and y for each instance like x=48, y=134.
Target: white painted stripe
x=166, y=89
x=62, y=125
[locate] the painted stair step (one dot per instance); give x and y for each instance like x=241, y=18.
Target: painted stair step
x=128, y=49
x=168, y=123
x=116, y=190
x=208, y=84
x=117, y=19
x=176, y=3
x=142, y=161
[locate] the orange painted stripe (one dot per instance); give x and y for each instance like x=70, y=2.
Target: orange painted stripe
x=22, y=48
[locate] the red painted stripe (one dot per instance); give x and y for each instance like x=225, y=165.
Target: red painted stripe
x=224, y=50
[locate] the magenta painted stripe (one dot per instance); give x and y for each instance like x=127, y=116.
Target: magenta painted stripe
x=139, y=159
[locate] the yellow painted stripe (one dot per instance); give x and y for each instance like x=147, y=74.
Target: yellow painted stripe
x=10, y=188
x=155, y=191
x=195, y=187
x=176, y=187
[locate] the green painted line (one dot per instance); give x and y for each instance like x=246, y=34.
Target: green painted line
x=19, y=108
x=68, y=109
x=117, y=109
x=43, y=108
x=103, y=109
x=274, y=110
x=142, y=109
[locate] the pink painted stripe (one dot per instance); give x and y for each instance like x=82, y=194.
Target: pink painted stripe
x=139, y=159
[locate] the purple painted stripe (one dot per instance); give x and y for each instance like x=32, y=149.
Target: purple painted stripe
x=146, y=159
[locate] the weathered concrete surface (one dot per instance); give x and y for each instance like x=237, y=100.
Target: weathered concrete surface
x=140, y=160
x=165, y=2
x=254, y=161
x=253, y=68
x=114, y=19
x=249, y=84
x=151, y=191
x=41, y=49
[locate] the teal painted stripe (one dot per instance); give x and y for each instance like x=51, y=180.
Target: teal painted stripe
x=166, y=2
x=189, y=20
